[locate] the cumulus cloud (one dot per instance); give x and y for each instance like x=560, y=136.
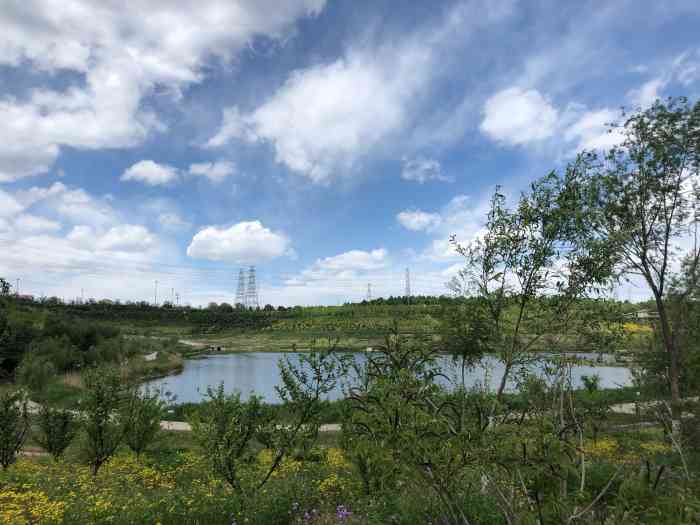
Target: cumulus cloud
x=245, y=242
x=516, y=116
x=118, y=56
x=327, y=116
x=313, y=125
x=417, y=220
x=126, y=237
x=354, y=260
x=422, y=170
x=216, y=172
x=330, y=272
x=150, y=173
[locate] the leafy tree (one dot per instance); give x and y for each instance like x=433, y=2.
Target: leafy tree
x=103, y=427
x=142, y=414
x=642, y=197
x=529, y=269
x=5, y=287
x=57, y=428
x=225, y=427
x=14, y=425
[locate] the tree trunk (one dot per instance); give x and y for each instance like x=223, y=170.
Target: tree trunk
x=673, y=365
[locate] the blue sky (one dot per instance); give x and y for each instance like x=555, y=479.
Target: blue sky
x=332, y=144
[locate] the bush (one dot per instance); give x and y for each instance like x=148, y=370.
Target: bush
x=56, y=430
x=14, y=425
x=35, y=372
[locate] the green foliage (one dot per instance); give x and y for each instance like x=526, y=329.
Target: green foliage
x=142, y=413
x=35, y=372
x=102, y=420
x=14, y=425
x=57, y=428
x=225, y=428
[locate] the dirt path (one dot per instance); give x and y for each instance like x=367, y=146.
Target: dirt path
x=181, y=426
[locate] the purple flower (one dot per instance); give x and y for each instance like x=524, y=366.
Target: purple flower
x=342, y=512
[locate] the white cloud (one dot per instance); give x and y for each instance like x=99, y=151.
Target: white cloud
x=326, y=117
x=216, y=172
x=173, y=222
x=590, y=130
x=244, y=242
x=333, y=274
x=516, y=116
x=34, y=223
x=119, y=56
x=683, y=70
x=423, y=170
x=9, y=205
x=126, y=238
x=417, y=220
x=354, y=260
x=150, y=173
x=316, y=128
x=647, y=93
x=123, y=238
x=462, y=217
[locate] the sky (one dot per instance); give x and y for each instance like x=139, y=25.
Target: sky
x=332, y=144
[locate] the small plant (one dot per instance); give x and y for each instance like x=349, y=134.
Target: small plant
x=14, y=426
x=57, y=428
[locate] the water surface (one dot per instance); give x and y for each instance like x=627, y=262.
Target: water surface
x=257, y=372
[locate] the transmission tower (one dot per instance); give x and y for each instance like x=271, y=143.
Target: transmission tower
x=251, y=292
x=240, y=291
x=407, y=292
x=369, y=292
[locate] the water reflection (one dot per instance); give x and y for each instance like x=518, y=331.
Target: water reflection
x=257, y=372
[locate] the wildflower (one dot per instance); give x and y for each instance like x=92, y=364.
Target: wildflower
x=342, y=512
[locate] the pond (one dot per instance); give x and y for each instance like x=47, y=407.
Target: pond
x=257, y=372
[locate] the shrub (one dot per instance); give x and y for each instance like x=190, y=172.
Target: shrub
x=35, y=372
x=103, y=428
x=14, y=425
x=56, y=430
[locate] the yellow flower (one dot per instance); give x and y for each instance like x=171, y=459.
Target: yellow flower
x=20, y=508
x=603, y=448
x=336, y=459
x=655, y=447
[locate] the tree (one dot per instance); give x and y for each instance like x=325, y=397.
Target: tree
x=642, y=197
x=14, y=425
x=103, y=427
x=225, y=427
x=142, y=414
x=528, y=270
x=5, y=287
x=57, y=428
